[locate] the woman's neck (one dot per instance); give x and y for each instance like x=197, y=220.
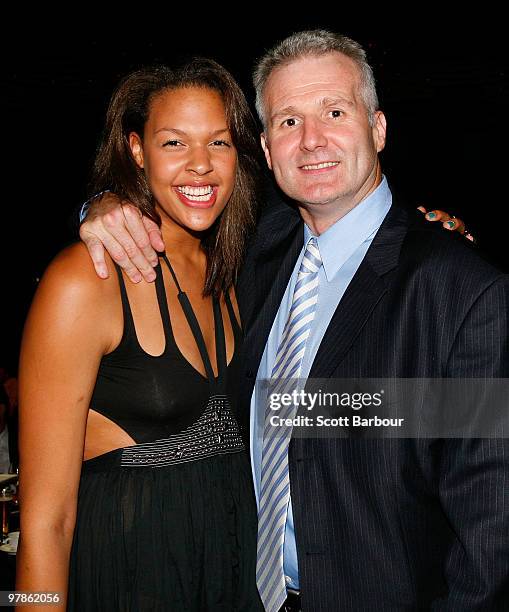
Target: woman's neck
x=182, y=244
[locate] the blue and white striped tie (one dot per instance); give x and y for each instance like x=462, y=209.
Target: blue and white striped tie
x=275, y=480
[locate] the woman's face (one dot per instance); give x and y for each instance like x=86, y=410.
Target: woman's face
x=188, y=156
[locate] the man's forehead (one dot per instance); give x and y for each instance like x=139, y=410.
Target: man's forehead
x=312, y=92
x=312, y=98
x=318, y=90
x=329, y=72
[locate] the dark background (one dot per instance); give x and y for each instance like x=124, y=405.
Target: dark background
x=443, y=90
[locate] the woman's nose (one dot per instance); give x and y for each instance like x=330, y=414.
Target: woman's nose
x=200, y=161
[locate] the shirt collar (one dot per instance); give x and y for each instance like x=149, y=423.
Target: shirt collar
x=339, y=242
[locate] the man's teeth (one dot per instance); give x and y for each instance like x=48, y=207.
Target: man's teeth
x=319, y=166
x=197, y=194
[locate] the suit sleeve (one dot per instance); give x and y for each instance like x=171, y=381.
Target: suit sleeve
x=474, y=479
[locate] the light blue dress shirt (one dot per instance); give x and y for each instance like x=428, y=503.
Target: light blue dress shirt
x=342, y=248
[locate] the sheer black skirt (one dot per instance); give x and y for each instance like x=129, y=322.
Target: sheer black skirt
x=180, y=537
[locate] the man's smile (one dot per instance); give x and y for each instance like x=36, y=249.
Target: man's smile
x=320, y=167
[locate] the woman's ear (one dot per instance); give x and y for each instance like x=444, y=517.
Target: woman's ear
x=136, y=148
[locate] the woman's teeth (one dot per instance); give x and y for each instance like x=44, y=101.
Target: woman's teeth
x=197, y=194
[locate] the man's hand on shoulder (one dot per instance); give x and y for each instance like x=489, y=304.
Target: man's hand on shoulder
x=130, y=238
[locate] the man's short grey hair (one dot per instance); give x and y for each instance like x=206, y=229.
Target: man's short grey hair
x=314, y=43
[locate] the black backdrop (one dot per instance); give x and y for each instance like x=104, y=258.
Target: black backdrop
x=443, y=91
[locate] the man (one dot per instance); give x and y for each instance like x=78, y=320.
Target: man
x=348, y=284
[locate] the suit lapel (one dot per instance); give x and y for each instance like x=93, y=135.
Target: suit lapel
x=274, y=264
x=362, y=295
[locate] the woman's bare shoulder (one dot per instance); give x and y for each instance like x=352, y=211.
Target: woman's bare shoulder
x=72, y=271
x=70, y=286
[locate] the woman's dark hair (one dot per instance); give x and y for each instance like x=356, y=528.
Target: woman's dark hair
x=115, y=167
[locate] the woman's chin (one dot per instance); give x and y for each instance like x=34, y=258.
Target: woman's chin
x=200, y=225
x=196, y=223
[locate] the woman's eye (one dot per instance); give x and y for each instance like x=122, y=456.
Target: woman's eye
x=172, y=143
x=221, y=143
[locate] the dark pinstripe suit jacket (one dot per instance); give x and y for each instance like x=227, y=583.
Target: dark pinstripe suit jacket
x=389, y=525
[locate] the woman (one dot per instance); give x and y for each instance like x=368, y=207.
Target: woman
x=135, y=485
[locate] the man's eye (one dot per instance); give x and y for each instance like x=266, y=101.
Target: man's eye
x=336, y=113
x=290, y=122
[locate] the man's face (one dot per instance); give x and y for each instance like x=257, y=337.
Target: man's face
x=318, y=139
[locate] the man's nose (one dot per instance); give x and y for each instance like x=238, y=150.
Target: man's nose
x=312, y=135
x=200, y=161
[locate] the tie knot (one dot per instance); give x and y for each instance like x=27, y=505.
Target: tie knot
x=312, y=260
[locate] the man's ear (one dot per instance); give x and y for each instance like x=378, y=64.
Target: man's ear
x=266, y=150
x=136, y=148
x=379, y=131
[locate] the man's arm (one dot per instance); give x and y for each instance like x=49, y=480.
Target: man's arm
x=474, y=473
x=130, y=238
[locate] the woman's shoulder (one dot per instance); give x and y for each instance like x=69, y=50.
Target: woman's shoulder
x=71, y=277
x=71, y=301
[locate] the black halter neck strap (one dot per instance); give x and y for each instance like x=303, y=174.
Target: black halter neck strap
x=197, y=333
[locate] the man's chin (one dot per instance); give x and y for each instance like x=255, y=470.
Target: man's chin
x=319, y=199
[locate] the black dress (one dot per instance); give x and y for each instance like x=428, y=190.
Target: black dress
x=168, y=524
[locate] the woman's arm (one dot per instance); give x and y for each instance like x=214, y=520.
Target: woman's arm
x=131, y=240
x=65, y=335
